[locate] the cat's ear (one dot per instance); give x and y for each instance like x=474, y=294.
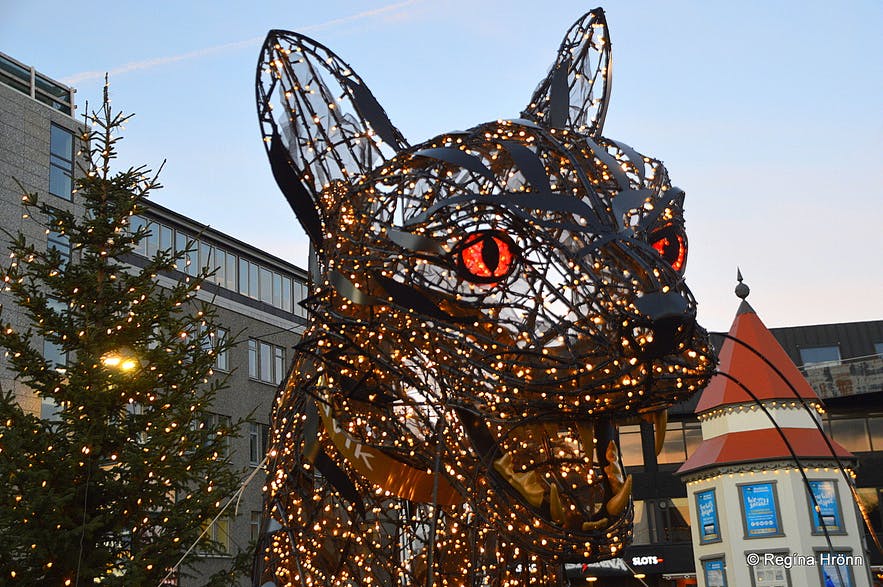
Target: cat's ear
x=575, y=93
x=322, y=126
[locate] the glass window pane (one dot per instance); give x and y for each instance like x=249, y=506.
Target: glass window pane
x=277, y=290
x=255, y=525
x=278, y=364
x=692, y=436
x=60, y=182
x=679, y=520
x=630, y=445
x=206, y=259
x=60, y=243
x=852, y=434
x=266, y=363
x=220, y=339
x=674, y=448
x=875, y=424
x=820, y=356
x=870, y=497
x=266, y=277
x=243, y=276
x=180, y=247
x=253, y=280
x=642, y=523
x=231, y=272
x=152, y=239
x=286, y=294
x=61, y=161
x=61, y=142
x=220, y=276
x=165, y=238
x=252, y=358
x=254, y=436
x=135, y=224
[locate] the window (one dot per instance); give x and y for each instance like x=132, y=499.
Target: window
x=189, y=262
x=870, y=501
x=165, y=238
x=300, y=294
x=213, y=422
x=61, y=162
x=852, y=433
x=263, y=284
x=257, y=442
x=875, y=427
x=219, y=534
x=213, y=341
x=254, y=525
x=222, y=362
x=878, y=349
x=266, y=362
x=62, y=244
x=136, y=224
x=630, y=445
x=675, y=517
x=820, y=356
x=674, y=448
x=692, y=436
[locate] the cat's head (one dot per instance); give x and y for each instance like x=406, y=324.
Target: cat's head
x=520, y=282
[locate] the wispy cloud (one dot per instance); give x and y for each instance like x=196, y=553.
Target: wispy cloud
x=206, y=51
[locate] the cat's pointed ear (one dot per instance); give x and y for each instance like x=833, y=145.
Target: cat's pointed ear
x=575, y=93
x=322, y=126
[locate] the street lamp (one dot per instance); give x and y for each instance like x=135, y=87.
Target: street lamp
x=122, y=359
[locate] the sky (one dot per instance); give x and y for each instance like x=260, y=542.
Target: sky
x=768, y=114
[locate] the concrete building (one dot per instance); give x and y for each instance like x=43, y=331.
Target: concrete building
x=255, y=293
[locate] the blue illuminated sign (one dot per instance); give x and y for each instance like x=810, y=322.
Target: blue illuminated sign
x=759, y=510
x=828, y=516
x=706, y=506
x=715, y=575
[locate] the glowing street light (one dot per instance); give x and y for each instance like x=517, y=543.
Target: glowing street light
x=122, y=359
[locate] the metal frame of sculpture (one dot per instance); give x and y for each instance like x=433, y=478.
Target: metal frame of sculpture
x=487, y=308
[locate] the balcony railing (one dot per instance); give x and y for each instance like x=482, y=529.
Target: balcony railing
x=849, y=377
x=30, y=82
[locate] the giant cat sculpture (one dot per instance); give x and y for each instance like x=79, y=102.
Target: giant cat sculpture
x=487, y=307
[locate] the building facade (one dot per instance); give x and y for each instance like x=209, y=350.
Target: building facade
x=257, y=295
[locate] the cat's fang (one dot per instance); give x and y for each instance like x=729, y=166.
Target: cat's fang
x=660, y=425
x=617, y=503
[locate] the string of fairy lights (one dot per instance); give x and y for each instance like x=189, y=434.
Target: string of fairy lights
x=488, y=307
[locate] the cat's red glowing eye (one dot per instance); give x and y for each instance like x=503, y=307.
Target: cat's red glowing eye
x=486, y=256
x=671, y=243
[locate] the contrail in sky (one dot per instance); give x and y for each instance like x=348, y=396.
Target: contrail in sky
x=156, y=62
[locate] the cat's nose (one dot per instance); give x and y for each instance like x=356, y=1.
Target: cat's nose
x=671, y=320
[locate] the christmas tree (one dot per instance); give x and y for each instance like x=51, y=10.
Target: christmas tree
x=132, y=466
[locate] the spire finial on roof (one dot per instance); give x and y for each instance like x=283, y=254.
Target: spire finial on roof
x=742, y=290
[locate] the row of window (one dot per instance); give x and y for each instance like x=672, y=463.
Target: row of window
x=825, y=356
x=681, y=439
x=230, y=271
x=857, y=434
